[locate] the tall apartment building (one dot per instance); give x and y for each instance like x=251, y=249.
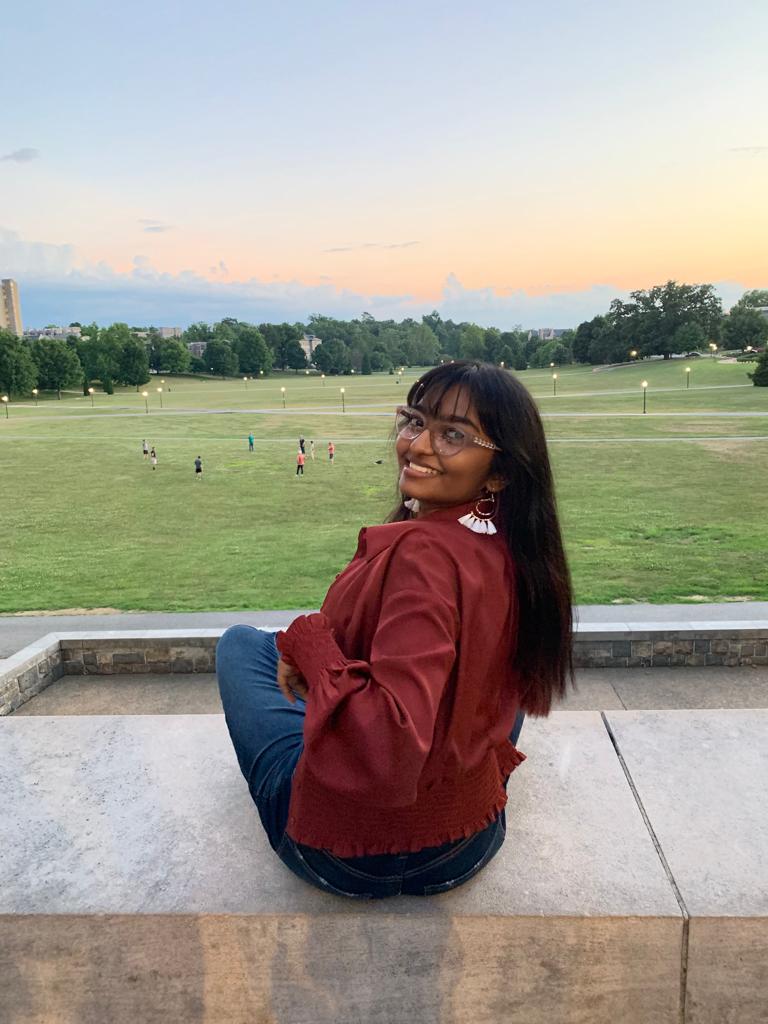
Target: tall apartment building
x=10, y=309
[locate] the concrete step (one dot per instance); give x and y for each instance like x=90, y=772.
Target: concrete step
x=597, y=690
x=136, y=885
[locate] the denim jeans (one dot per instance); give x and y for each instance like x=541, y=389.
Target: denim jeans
x=267, y=732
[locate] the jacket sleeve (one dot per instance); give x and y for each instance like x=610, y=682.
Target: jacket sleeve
x=369, y=726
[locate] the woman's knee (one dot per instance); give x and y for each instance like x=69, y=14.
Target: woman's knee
x=235, y=646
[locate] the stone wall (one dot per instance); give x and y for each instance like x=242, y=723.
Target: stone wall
x=620, y=645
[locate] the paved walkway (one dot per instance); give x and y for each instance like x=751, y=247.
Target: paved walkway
x=16, y=631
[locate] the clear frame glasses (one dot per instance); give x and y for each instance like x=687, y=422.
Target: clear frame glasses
x=447, y=438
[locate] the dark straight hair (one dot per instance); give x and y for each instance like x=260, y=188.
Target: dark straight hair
x=527, y=516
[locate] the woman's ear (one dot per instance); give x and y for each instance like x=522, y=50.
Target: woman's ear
x=495, y=483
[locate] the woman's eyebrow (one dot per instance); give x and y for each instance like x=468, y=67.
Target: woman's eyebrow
x=417, y=407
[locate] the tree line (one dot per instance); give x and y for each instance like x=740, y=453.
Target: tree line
x=665, y=320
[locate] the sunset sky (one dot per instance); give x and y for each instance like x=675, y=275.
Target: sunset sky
x=505, y=162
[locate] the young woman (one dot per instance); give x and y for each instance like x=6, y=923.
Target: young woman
x=376, y=736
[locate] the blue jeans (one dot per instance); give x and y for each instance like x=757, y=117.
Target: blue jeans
x=267, y=732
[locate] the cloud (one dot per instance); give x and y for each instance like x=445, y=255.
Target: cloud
x=372, y=245
x=752, y=150
x=56, y=287
x=154, y=226
x=22, y=156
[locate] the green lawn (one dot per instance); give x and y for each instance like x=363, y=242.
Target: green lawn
x=670, y=506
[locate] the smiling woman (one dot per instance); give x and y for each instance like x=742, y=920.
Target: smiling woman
x=377, y=736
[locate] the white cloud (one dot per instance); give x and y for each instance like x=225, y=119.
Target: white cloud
x=56, y=287
x=372, y=245
x=22, y=156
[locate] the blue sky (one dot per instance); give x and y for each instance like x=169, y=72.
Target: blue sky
x=522, y=161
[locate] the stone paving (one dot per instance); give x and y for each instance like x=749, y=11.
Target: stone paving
x=597, y=690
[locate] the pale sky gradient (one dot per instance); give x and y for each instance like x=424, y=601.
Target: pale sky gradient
x=514, y=161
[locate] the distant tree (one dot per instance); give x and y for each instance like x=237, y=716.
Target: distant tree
x=760, y=377
x=57, y=365
x=472, y=342
x=198, y=332
x=650, y=321
x=18, y=371
x=689, y=337
x=132, y=361
x=278, y=338
x=745, y=327
x=174, y=356
x=197, y=365
x=220, y=358
x=366, y=368
x=294, y=355
x=332, y=357
x=753, y=298
x=252, y=351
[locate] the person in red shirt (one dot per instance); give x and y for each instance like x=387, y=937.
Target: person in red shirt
x=300, y=458
x=377, y=735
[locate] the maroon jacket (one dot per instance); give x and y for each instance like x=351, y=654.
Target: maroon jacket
x=412, y=695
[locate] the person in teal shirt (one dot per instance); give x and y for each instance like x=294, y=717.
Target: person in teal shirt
x=250, y=442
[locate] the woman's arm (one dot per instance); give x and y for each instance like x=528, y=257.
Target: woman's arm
x=369, y=725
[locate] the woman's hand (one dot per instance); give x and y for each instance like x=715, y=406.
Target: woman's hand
x=292, y=684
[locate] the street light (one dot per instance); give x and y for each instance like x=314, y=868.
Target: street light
x=551, y=365
x=322, y=378
x=687, y=377
x=633, y=354
x=261, y=373
x=5, y=403
x=90, y=392
x=554, y=384
x=245, y=381
x=35, y=393
x=644, y=386
x=712, y=349
x=282, y=391
x=343, y=406
x=145, y=396
x=160, y=392
x=501, y=364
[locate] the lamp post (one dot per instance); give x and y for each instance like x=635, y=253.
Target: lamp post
x=322, y=378
x=551, y=365
x=160, y=392
x=343, y=406
x=712, y=349
x=633, y=354
x=554, y=384
x=282, y=392
x=145, y=396
x=245, y=381
x=644, y=386
x=501, y=364
x=687, y=377
x=90, y=392
x=5, y=403
x=261, y=373
x=35, y=393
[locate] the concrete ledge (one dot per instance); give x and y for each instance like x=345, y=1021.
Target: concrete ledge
x=153, y=652
x=137, y=885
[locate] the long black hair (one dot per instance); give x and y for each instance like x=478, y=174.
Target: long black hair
x=527, y=517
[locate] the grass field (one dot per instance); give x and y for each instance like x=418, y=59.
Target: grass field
x=666, y=507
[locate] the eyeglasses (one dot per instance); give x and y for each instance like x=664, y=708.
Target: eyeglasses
x=447, y=438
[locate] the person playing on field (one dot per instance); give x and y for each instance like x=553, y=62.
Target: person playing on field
x=300, y=458
x=198, y=468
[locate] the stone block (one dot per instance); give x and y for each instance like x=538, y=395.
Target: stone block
x=662, y=648
x=682, y=647
x=696, y=659
x=642, y=648
x=714, y=839
x=158, y=667
x=128, y=658
x=720, y=646
x=701, y=646
x=761, y=649
x=715, y=659
x=182, y=665
x=74, y=668
x=747, y=650
x=141, y=888
x=661, y=660
x=621, y=648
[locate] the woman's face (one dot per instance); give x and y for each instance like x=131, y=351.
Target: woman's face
x=439, y=481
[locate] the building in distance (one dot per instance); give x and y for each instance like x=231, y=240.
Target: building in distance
x=59, y=333
x=309, y=343
x=169, y=332
x=10, y=307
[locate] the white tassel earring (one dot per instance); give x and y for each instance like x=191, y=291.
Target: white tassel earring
x=479, y=519
x=412, y=504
